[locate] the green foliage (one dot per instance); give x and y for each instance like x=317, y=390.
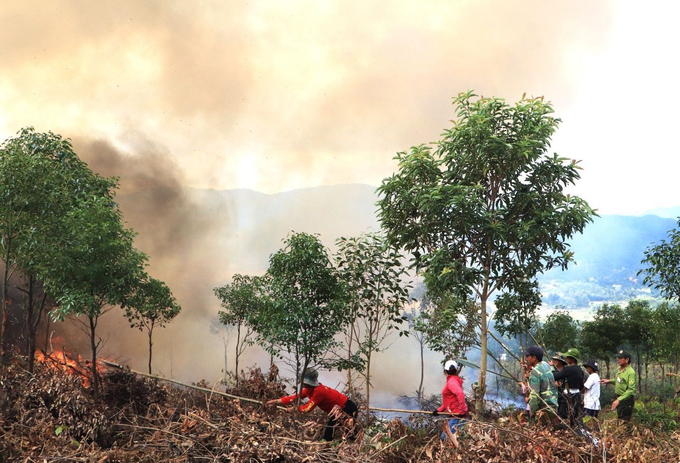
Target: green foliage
x=59, y=221
x=654, y=414
x=449, y=324
x=306, y=305
x=662, y=261
x=242, y=301
x=373, y=275
x=41, y=179
x=665, y=326
x=151, y=305
x=601, y=337
x=560, y=331
x=486, y=211
x=98, y=265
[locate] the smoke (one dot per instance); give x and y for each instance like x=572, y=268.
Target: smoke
x=184, y=241
x=241, y=92
x=270, y=96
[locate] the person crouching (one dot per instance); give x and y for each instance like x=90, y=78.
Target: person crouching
x=334, y=403
x=453, y=399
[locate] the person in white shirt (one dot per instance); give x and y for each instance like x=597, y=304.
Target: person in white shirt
x=591, y=398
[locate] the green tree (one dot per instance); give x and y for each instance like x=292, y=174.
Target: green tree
x=450, y=326
x=37, y=307
x=96, y=270
x=661, y=266
x=603, y=336
x=41, y=179
x=374, y=278
x=305, y=306
x=560, y=331
x=241, y=301
x=665, y=326
x=486, y=212
x=416, y=326
x=150, y=305
x=639, y=332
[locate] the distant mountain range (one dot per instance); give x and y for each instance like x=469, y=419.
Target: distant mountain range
x=235, y=231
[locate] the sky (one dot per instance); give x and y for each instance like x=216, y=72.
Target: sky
x=274, y=96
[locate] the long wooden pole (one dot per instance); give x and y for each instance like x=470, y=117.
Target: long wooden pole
x=160, y=378
x=115, y=365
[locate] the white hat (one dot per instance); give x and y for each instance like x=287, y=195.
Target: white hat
x=449, y=364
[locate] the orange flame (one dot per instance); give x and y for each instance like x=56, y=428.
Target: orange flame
x=73, y=365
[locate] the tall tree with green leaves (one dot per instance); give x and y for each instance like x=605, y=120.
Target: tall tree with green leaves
x=97, y=270
x=604, y=335
x=41, y=179
x=306, y=305
x=665, y=342
x=560, y=331
x=639, y=333
x=151, y=305
x=241, y=300
x=661, y=265
x=377, y=291
x=486, y=211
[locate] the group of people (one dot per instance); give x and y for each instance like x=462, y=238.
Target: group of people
x=342, y=410
x=558, y=390
x=561, y=390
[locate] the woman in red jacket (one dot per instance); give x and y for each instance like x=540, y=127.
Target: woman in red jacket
x=329, y=400
x=454, y=403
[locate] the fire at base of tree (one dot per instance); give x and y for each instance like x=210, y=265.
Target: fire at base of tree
x=51, y=414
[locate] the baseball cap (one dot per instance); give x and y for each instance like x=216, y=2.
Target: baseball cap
x=449, y=364
x=622, y=354
x=534, y=350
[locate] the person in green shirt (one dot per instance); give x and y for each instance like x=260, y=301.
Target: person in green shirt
x=626, y=381
x=542, y=394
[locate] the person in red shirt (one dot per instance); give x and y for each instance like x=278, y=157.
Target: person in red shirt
x=329, y=400
x=453, y=399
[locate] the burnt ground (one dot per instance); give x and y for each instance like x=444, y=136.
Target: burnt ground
x=50, y=415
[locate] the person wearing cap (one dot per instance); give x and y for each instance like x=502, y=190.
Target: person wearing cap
x=572, y=378
x=591, y=396
x=543, y=395
x=558, y=362
x=626, y=380
x=453, y=402
x=327, y=399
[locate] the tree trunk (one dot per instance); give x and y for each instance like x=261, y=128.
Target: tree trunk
x=224, y=375
x=93, y=346
x=3, y=304
x=368, y=386
x=608, y=372
x=639, y=371
x=238, y=343
x=663, y=389
x=646, y=373
x=422, y=373
x=350, y=385
x=28, y=324
x=481, y=389
x=150, y=344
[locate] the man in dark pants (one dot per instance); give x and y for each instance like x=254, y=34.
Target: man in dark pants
x=558, y=363
x=572, y=375
x=625, y=381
